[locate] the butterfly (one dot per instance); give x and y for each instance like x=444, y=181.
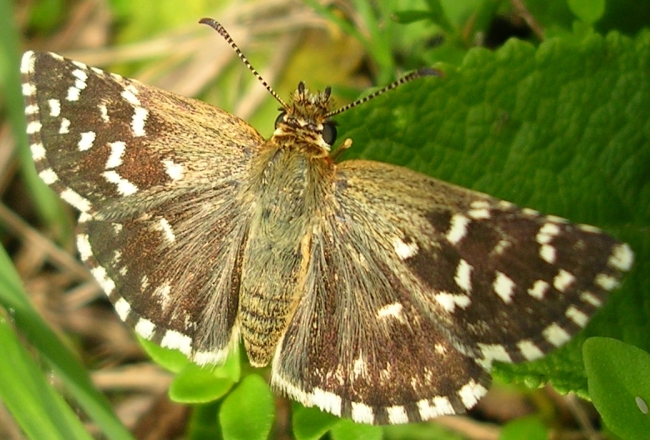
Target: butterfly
x=374, y=292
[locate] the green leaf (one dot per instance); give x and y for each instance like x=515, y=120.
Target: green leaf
x=247, y=413
x=530, y=428
x=26, y=392
x=589, y=11
x=175, y=361
x=348, y=430
x=411, y=16
x=420, y=431
x=170, y=359
x=311, y=423
x=561, y=128
x=64, y=364
x=195, y=384
x=619, y=385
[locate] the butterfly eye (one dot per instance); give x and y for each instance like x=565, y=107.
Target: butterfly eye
x=279, y=119
x=329, y=132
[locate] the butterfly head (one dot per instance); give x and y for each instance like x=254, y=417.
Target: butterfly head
x=305, y=120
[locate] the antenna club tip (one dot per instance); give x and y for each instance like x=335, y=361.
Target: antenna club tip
x=210, y=22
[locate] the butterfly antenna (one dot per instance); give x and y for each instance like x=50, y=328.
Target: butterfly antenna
x=226, y=36
x=403, y=80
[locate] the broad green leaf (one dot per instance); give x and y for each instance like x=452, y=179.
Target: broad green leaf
x=619, y=385
x=194, y=384
x=247, y=413
x=561, y=128
x=529, y=428
x=589, y=11
x=175, y=361
x=170, y=359
x=420, y=431
x=348, y=430
x=311, y=423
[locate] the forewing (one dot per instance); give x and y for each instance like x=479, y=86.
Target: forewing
x=156, y=177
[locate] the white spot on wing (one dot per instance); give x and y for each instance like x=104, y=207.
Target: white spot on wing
x=103, y=112
x=33, y=127
x=84, y=248
x=175, y=171
x=75, y=200
x=129, y=95
x=167, y=230
x=27, y=62
x=556, y=219
x=589, y=228
x=438, y=406
x=403, y=250
x=641, y=404
x=590, y=298
x=107, y=285
x=529, y=350
x=124, y=187
x=38, y=151
x=504, y=287
x=139, y=118
x=547, y=253
x=115, y=158
x=471, y=392
x=362, y=413
x=48, y=176
x=80, y=74
x=530, y=212
x=397, y=415
x=326, y=401
x=209, y=357
x=28, y=89
x=479, y=214
x=539, y=289
x=450, y=301
x=65, y=126
x=73, y=94
x=55, y=107
x=178, y=341
x=458, y=228
x=491, y=353
x=390, y=311
x=80, y=65
x=605, y=281
x=86, y=141
x=145, y=328
x=547, y=232
x=576, y=316
x=556, y=335
x=463, y=276
x=563, y=280
x=122, y=308
x=31, y=109
x=622, y=257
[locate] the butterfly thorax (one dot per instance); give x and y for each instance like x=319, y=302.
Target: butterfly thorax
x=290, y=180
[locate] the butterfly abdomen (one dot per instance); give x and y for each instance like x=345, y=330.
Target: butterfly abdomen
x=283, y=194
